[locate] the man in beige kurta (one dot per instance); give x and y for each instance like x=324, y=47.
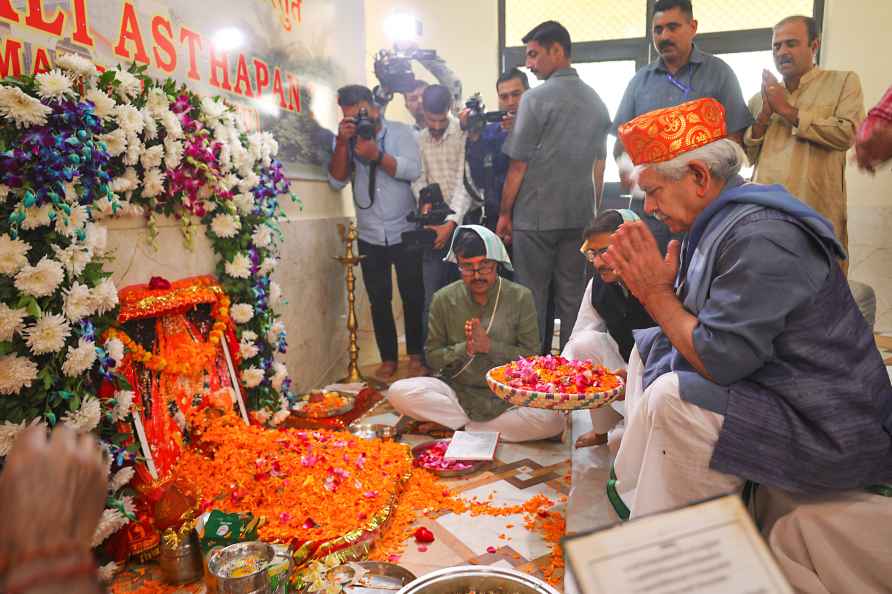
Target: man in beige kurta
x=805, y=125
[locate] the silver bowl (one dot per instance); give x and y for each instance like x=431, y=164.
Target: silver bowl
x=223, y=562
x=477, y=578
x=372, y=431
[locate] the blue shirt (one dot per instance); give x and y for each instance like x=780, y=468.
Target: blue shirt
x=384, y=221
x=704, y=75
x=489, y=168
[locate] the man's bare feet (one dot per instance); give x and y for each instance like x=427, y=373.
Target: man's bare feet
x=417, y=367
x=386, y=370
x=587, y=440
x=432, y=429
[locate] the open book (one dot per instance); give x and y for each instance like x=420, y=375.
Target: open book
x=472, y=445
x=706, y=548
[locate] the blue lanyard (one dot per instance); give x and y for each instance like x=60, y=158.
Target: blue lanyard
x=684, y=88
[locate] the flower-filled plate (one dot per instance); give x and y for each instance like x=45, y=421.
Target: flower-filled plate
x=554, y=383
x=320, y=405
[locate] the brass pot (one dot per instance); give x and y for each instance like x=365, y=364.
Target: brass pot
x=180, y=559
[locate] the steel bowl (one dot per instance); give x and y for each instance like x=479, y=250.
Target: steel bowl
x=225, y=562
x=373, y=431
x=476, y=465
x=477, y=578
x=379, y=576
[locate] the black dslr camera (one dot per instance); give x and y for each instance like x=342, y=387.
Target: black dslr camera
x=365, y=126
x=394, y=70
x=421, y=238
x=478, y=117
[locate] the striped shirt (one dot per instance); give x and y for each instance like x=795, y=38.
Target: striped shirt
x=443, y=163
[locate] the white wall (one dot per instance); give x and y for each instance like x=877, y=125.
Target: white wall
x=856, y=34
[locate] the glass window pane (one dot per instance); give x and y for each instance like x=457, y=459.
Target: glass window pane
x=735, y=15
x=586, y=20
x=748, y=67
x=610, y=80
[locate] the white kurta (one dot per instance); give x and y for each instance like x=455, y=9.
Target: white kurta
x=430, y=399
x=839, y=542
x=591, y=340
x=663, y=460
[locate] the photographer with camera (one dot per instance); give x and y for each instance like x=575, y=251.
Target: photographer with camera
x=487, y=132
x=381, y=159
x=393, y=69
x=442, y=166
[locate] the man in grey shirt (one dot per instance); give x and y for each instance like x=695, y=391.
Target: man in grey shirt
x=683, y=73
x=558, y=142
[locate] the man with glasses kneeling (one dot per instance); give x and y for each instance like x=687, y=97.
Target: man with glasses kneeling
x=475, y=324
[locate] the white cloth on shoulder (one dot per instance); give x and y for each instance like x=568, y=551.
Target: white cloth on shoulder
x=431, y=399
x=591, y=340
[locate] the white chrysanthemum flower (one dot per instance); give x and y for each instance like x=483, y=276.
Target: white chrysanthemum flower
x=105, y=296
x=13, y=254
x=261, y=415
x=48, y=334
x=16, y=373
x=239, y=267
x=255, y=144
x=228, y=182
x=244, y=202
x=22, y=109
x=252, y=376
x=120, y=479
x=102, y=208
x=275, y=293
x=111, y=521
x=241, y=313
x=69, y=224
x=212, y=109
x=157, y=102
x=107, y=572
x=80, y=358
x=268, y=266
x=150, y=126
x=172, y=125
x=262, y=236
x=249, y=182
x=78, y=302
x=86, y=418
x=71, y=196
x=115, y=141
x=153, y=183
x=103, y=105
x=279, y=417
x=41, y=280
x=135, y=149
x=115, y=349
x=247, y=350
x=129, y=119
x=10, y=321
x=127, y=182
x=129, y=86
x=38, y=216
x=124, y=402
x=280, y=374
x=96, y=238
x=275, y=330
x=76, y=65
x=173, y=153
x=248, y=336
x=54, y=85
x=74, y=258
x=225, y=226
x=152, y=157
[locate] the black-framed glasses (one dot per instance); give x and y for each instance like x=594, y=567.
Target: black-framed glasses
x=590, y=255
x=483, y=269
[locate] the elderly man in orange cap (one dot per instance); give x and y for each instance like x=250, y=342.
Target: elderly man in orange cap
x=761, y=368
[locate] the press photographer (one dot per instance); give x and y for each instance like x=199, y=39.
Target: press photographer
x=381, y=159
x=443, y=163
x=432, y=212
x=393, y=69
x=487, y=132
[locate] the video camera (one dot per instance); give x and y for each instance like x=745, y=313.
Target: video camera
x=394, y=70
x=432, y=210
x=478, y=117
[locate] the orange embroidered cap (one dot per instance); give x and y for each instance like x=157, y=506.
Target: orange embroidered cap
x=664, y=134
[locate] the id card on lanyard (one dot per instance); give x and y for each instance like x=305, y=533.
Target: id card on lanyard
x=680, y=85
